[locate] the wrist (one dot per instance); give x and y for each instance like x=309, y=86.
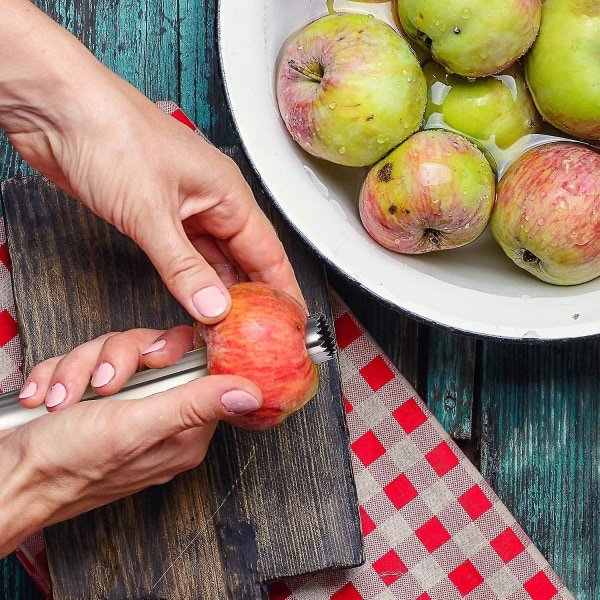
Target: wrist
x=40, y=63
x=23, y=508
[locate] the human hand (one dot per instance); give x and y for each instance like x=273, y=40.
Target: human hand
x=93, y=453
x=179, y=198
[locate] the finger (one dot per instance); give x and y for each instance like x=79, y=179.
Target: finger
x=228, y=272
x=248, y=239
x=73, y=372
x=169, y=347
x=200, y=403
x=121, y=356
x=231, y=214
x=184, y=270
x=36, y=386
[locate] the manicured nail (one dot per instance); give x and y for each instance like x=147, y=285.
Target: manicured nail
x=58, y=392
x=210, y=301
x=104, y=373
x=158, y=344
x=238, y=402
x=28, y=390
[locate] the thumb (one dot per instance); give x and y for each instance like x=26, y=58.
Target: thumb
x=202, y=402
x=189, y=277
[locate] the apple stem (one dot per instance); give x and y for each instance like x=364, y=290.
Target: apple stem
x=314, y=71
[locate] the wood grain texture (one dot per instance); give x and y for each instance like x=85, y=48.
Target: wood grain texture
x=15, y=583
x=450, y=381
x=540, y=450
x=263, y=505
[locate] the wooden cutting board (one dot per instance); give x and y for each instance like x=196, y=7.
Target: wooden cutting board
x=262, y=506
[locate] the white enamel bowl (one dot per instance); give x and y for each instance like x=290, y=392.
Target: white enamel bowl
x=474, y=290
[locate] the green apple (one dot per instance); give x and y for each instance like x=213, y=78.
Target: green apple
x=349, y=89
x=547, y=213
x=434, y=192
x=473, y=38
x=493, y=111
x=563, y=66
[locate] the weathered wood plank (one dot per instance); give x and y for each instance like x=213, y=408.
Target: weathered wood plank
x=540, y=449
x=450, y=381
x=15, y=583
x=201, y=92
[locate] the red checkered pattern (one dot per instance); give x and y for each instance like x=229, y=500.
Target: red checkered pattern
x=433, y=528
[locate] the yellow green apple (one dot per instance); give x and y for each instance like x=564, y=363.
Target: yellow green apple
x=433, y=192
x=349, y=89
x=473, y=38
x=496, y=110
x=563, y=66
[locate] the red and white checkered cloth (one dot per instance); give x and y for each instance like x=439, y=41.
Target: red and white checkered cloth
x=433, y=528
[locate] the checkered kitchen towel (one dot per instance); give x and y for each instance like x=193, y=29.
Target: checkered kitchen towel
x=433, y=528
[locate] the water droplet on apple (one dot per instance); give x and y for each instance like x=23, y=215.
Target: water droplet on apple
x=540, y=222
x=572, y=187
x=381, y=139
x=435, y=200
x=332, y=105
x=465, y=14
x=467, y=225
x=300, y=47
x=531, y=334
x=563, y=204
x=566, y=165
x=342, y=150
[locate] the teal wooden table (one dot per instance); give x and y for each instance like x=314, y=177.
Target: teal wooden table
x=527, y=415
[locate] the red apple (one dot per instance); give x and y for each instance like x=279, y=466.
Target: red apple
x=263, y=339
x=547, y=213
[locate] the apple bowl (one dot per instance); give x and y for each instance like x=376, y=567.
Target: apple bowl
x=473, y=290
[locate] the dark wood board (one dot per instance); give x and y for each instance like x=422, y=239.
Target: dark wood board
x=263, y=505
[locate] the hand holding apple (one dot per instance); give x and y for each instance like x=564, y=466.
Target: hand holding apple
x=263, y=339
x=350, y=89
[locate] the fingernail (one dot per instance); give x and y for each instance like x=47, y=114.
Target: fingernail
x=58, y=392
x=210, y=301
x=104, y=373
x=158, y=344
x=28, y=390
x=238, y=402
